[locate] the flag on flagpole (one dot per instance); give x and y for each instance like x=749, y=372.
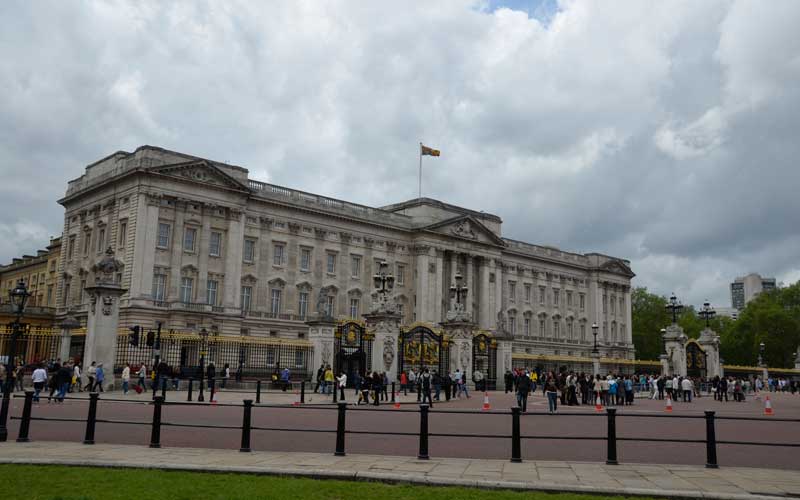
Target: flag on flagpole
x=426, y=151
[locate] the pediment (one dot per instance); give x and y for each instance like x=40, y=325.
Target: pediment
x=468, y=228
x=203, y=172
x=618, y=267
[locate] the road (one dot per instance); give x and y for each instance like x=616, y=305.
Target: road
x=643, y=420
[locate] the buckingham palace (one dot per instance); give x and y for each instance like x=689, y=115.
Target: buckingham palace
x=203, y=246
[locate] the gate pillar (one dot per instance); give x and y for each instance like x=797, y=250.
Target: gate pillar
x=67, y=326
x=675, y=344
x=103, y=318
x=386, y=328
x=320, y=334
x=709, y=341
x=459, y=333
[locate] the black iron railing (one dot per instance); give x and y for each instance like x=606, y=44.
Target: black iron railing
x=424, y=411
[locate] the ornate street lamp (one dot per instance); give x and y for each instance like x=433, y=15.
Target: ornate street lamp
x=203, y=345
x=707, y=313
x=594, y=332
x=675, y=307
x=19, y=296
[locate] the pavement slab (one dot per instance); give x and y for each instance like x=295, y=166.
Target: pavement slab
x=658, y=481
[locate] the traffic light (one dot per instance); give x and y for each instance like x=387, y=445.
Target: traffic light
x=134, y=341
x=151, y=338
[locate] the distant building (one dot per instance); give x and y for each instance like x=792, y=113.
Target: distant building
x=728, y=312
x=40, y=274
x=744, y=289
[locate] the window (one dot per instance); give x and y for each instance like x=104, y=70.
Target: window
x=401, y=310
x=556, y=327
x=66, y=294
x=330, y=305
x=541, y=295
x=569, y=298
x=541, y=328
x=556, y=298
x=569, y=330
x=605, y=303
x=622, y=336
x=159, y=287
x=528, y=292
x=401, y=274
x=303, y=305
x=187, y=285
x=275, y=301
x=526, y=326
x=163, y=235
x=247, y=297
x=101, y=240
x=512, y=324
x=49, y=294
x=583, y=333
x=512, y=291
x=211, y=292
x=305, y=259
x=215, y=244
x=605, y=330
x=355, y=266
x=354, y=307
x=582, y=301
x=277, y=254
x=249, y=251
x=123, y=233
x=86, y=242
x=622, y=305
x=331, y=263
x=613, y=305
x=189, y=237
x=82, y=292
x=71, y=247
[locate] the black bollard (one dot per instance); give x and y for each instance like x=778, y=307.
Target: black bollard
x=258, y=392
x=155, y=431
x=91, y=419
x=516, y=453
x=611, y=437
x=423, y=432
x=392, y=392
x=25, y=423
x=189, y=392
x=335, y=390
x=302, y=391
x=340, y=424
x=711, y=441
x=164, y=389
x=246, y=419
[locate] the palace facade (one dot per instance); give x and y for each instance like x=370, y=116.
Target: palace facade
x=205, y=246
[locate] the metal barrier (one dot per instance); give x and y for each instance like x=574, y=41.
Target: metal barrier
x=423, y=435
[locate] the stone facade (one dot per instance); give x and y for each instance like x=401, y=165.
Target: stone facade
x=202, y=245
x=41, y=277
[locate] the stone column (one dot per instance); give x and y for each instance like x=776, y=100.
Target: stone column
x=203, y=241
x=486, y=319
x=67, y=326
x=423, y=283
x=176, y=258
x=103, y=317
x=441, y=287
x=664, y=364
x=386, y=327
x=498, y=288
x=233, y=260
x=144, y=240
x=469, y=271
x=709, y=341
x=675, y=341
x=320, y=333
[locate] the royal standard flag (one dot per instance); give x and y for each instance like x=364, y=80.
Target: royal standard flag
x=425, y=150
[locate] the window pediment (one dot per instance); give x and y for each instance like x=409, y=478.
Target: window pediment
x=277, y=283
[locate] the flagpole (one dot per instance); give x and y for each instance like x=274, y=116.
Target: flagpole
x=420, y=170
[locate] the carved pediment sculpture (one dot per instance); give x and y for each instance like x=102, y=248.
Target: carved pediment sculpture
x=106, y=270
x=464, y=230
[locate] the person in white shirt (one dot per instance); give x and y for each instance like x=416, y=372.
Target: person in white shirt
x=39, y=379
x=687, y=386
x=342, y=381
x=126, y=379
x=76, y=372
x=142, y=375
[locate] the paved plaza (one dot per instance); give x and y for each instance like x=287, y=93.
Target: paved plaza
x=676, y=481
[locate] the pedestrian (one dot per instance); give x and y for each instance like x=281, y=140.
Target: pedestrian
x=437, y=385
x=76, y=376
x=365, y=387
x=477, y=377
x=90, y=374
x=327, y=385
x=551, y=389
x=226, y=374
x=39, y=379
x=384, y=387
x=143, y=375
x=508, y=379
x=628, y=384
x=523, y=388
x=447, y=385
x=211, y=373
x=64, y=379
x=425, y=386
x=377, y=382
x=126, y=379
x=286, y=377
x=19, y=376
x=52, y=383
x=342, y=381
x=404, y=383
x=686, y=385
x=320, y=378
x=100, y=377
x=464, y=383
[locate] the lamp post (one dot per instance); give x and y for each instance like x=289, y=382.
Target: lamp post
x=19, y=295
x=203, y=345
x=763, y=364
x=761, y=348
x=663, y=341
x=675, y=307
x=595, y=352
x=594, y=332
x=157, y=363
x=707, y=313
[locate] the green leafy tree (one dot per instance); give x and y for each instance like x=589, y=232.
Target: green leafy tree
x=649, y=316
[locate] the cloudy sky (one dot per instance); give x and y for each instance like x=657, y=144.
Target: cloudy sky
x=662, y=132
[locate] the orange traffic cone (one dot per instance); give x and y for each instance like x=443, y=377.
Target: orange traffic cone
x=768, y=407
x=598, y=406
x=668, y=408
x=296, y=398
x=396, y=400
x=486, y=405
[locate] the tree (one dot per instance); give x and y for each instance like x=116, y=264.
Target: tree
x=649, y=316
